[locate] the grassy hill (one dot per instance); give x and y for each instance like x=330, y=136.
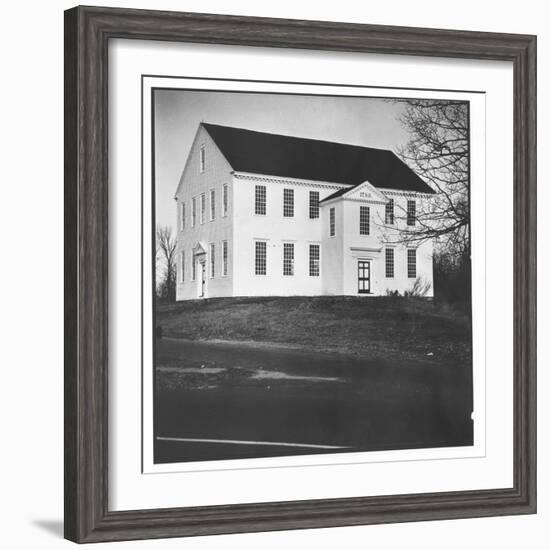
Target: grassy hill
x=385, y=327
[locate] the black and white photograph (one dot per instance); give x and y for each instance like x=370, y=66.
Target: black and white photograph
x=311, y=274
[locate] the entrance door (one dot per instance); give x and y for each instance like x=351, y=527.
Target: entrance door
x=363, y=277
x=203, y=279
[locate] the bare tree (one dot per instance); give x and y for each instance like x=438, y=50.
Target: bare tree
x=438, y=151
x=166, y=257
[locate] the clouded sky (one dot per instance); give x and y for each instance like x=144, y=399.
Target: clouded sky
x=369, y=122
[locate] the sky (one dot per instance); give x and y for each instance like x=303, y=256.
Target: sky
x=370, y=122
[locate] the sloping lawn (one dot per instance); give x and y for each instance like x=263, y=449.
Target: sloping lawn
x=385, y=327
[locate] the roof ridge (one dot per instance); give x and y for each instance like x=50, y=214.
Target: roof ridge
x=347, y=144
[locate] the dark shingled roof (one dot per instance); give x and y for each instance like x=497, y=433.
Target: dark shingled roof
x=312, y=159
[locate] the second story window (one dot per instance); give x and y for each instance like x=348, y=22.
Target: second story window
x=288, y=203
x=260, y=200
x=389, y=212
x=411, y=212
x=202, y=159
x=313, y=205
x=212, y=204
x=288, y=258
x=194, y=212
x=364, y=220
x=182, y=216
x=203, y=208
x=225, y=199
x=332, y=222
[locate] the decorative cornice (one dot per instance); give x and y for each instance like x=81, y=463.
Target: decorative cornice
x=293, y=181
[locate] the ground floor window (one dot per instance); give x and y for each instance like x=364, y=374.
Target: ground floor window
x=182, y=267
x=194, y=267
x=314, y=256
x=212, y=260
x=261, y=258
x=390, y=263
x=411, y=263
x=224, y=252
x=288, y=258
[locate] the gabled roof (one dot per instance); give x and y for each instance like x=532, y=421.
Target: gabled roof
x=312, y=159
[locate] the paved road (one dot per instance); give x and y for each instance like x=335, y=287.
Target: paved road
x=222, y=401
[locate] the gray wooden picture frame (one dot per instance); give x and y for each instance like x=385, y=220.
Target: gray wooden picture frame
x=87, y=34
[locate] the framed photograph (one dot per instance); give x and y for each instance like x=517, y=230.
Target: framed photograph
x=299, y=274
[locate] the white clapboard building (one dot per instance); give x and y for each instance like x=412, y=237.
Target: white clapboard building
x=271, y=215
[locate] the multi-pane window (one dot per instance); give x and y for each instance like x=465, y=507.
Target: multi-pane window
x=411, y=212
x=313, y=205
x=364, y=220
x=182, y=266
x=193, y=267
x=411, y=263
x=212, y=204
x=288, y=258
x=288, y=203
x=224, y=258
x=314, y=257
x=203, y=208
x=261, y=258
x=389, y=212
x=202, y=159
x=332, y=222
x=194, y=212
x=212, y=260
x=225, y=199
x=390, y=263
x=182, y=216
x=260, y=199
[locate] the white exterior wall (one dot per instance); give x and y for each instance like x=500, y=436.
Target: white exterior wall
x=276, y=229
x=332, y=252
x=193, y=183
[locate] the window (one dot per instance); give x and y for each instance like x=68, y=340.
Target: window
x=288, y=203
x=411, y=263
x=314, y=255
x=224, y=255
x=288, y=258
x=182, y=216
x=194, y=268
x=313, y=205
x=182, y=266
x=364, y=220
x=194, y=212
x=260, y=200
x=332, y=222
x=225, y=199
x=389, y=212
x=411, y=212
x=390, y=263
x=212, y=204
x=202, y=159
x=212, y=260
x=261, y=258
x=203, y=207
